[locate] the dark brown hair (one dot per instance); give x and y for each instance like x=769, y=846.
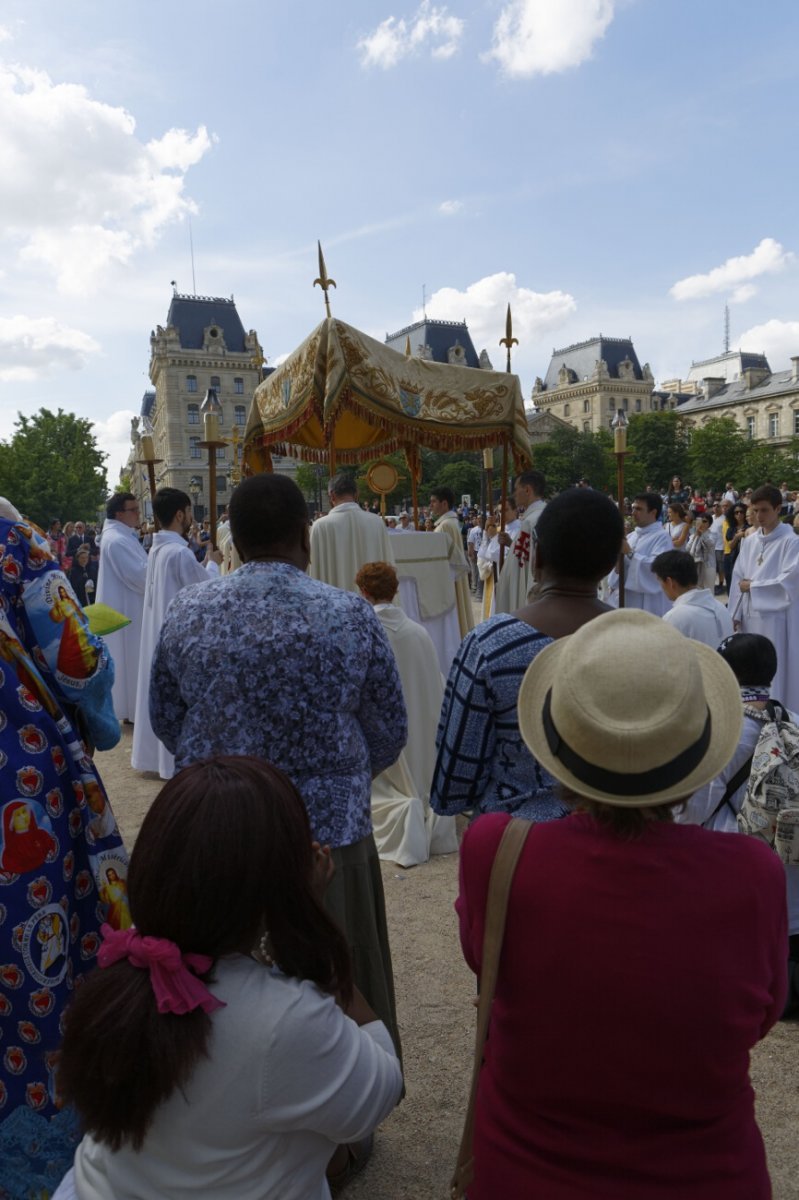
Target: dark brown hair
x=628, y=824
x=223, y=854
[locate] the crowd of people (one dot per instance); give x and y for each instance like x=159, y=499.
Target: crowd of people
x=609, y=706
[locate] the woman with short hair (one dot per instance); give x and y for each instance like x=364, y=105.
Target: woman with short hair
x=642, y=960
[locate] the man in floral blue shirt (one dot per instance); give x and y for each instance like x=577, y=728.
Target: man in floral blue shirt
x=269, y=662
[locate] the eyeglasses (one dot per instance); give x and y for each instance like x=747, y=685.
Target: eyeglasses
x=134, y=509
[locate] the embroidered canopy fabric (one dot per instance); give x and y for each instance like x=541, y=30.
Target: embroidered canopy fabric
x=344, y=388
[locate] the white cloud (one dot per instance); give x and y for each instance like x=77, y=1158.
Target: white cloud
x=745, y=292
x=34, y=347
x=113, y=438
x=767, y=258
x=542, y=37
x=778, y=340
x=483, y=306
x=81, y=192
x=449, y=207
x=397, y=38
x=5, y=34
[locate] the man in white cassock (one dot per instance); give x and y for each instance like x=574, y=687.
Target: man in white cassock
x=516, y=576
x=442, y=503
x=641, y=586
x=346, y=538
x=406, y=829
x=695, y=611
x=120, y=585
x=764, y=593
x=171, y=566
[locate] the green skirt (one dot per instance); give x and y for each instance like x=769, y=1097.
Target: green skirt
x=355, y=900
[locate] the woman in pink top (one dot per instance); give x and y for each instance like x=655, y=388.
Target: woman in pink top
x=642, y=960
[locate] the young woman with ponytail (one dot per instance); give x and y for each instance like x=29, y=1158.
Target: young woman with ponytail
x=222, y=1049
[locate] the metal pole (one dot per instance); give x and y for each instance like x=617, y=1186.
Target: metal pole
x=504, y=500
x=620, y=455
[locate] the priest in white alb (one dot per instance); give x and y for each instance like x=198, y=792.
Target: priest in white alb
x=641, y=547
x=120, y=585
x=171, y=567
x=442, y=503
x=406, y=829
x=516, y=576
x=764, y=593
x=346, y=538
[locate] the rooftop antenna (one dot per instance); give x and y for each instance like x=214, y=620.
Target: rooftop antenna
x=726, y=328
x=191, y=247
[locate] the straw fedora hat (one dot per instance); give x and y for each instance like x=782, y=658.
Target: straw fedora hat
x=620, y=711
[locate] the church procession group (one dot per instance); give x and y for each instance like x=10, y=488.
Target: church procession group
x=217, y=1015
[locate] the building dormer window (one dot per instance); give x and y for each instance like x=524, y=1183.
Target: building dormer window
x=193, y=411
x=191, y=383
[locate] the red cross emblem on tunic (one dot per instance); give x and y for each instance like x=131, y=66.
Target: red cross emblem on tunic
x=521, y=548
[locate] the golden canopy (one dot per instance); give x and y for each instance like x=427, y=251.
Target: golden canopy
x=343, y=397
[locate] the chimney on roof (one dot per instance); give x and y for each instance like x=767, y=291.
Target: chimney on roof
x=712, y=385
x=754, y=376
x=795, y=368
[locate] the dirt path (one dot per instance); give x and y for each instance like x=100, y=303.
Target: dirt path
x=416, y=1146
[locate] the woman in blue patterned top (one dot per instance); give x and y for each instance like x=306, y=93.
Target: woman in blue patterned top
x=482, y=761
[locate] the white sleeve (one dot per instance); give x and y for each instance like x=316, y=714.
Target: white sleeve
x=325, y=1074
x=129, y=563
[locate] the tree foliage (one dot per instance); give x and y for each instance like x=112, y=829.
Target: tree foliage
x=720, y=452
x=569, y=455
x=53, y=467
x=658, y=443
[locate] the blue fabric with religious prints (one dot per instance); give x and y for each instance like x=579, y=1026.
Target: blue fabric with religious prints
x=482, y=761
x=62, y=864
x=269, y=662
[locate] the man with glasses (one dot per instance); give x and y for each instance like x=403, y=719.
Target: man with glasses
x=648, y=539
x=120, y=584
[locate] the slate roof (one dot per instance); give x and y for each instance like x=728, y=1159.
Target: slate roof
x=191, y=315
x=726, y=366
x=439, y=336
x=147, y=403
x=738, y=393
x=581, y=358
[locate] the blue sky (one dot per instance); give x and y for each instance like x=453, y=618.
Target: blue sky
x=615, y=166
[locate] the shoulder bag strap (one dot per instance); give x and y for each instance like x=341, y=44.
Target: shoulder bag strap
x=502, y=871
x=740, y=777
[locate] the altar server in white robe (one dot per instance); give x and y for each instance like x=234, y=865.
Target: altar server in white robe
x=406, y=830
x=695, y=611
x=442, y=504
x=346, y=538
x=764, y=593
x=171, y=567
x=641, y=547
x=120, y=585
x=516, y=576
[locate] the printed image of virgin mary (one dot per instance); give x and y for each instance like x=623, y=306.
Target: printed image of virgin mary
x=77, y=658
x=13, y=652
x=25, y=844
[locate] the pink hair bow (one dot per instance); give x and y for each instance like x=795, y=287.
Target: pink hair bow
x=176, y=988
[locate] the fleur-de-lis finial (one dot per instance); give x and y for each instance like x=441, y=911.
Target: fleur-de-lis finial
x=508, y=340
x=324, y=280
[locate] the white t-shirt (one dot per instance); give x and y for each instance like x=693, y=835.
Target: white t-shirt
x=288, y=1077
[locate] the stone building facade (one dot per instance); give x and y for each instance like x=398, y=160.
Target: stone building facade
x=764, y=403
x=202, y=345
x=588, y=381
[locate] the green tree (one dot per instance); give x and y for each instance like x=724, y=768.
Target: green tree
x=718, y=453
x=309, y=477
x=659, y=445
x=463, y=477
x=401, y=492
x=125, y=483
x=52, y=467
x=569, y=455
x=770, y=464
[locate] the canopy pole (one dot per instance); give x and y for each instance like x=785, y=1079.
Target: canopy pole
x=414, y=499
x=331, y=457
x=504, y=500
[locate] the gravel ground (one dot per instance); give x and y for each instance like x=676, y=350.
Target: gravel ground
x=415, y=1148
